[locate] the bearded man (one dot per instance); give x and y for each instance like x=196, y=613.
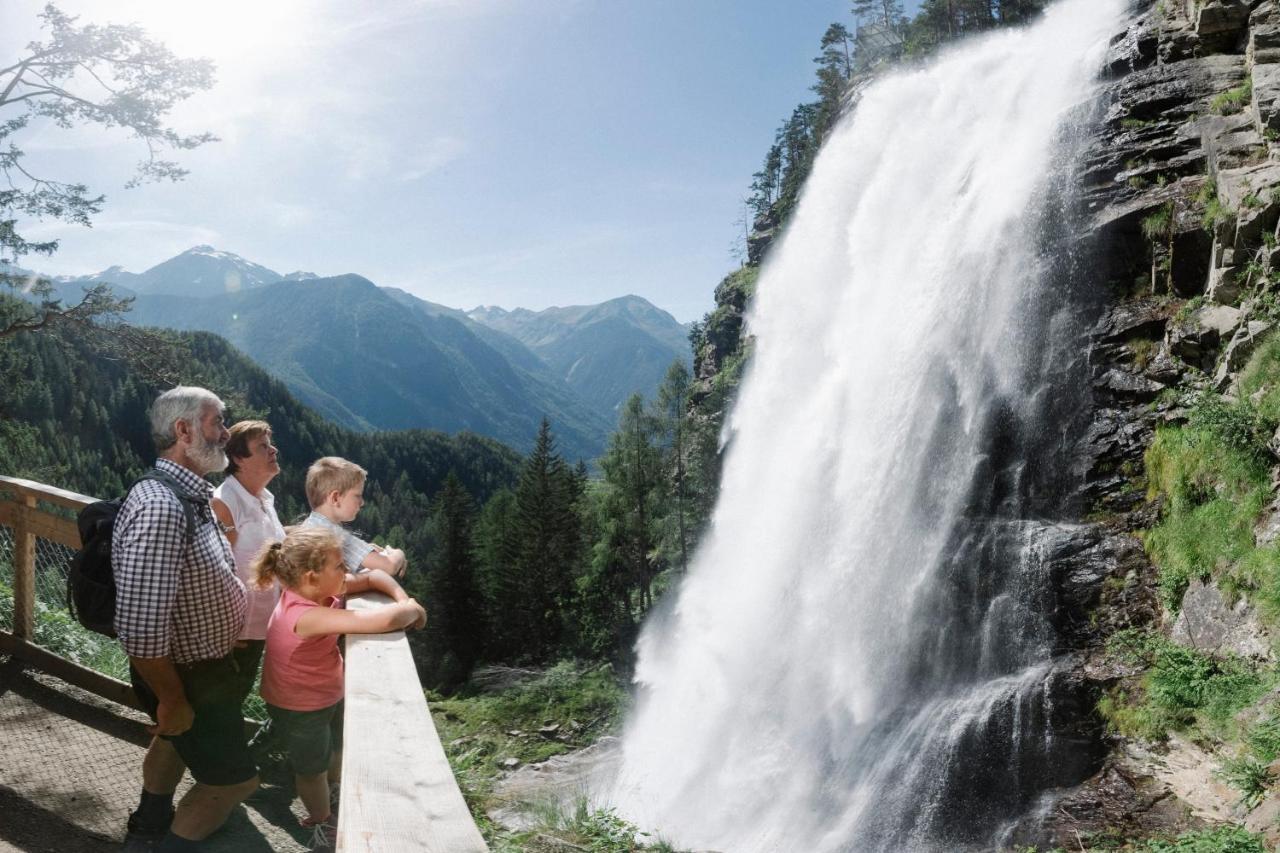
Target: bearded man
x=179, y=610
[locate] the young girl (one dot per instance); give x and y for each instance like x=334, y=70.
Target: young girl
x=302, y=677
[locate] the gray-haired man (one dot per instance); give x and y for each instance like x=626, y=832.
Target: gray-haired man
x=179, y=609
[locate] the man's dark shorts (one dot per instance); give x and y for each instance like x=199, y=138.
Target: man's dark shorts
x=310, y=737
x=214, y=748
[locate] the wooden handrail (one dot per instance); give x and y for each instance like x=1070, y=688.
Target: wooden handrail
x=398, y=791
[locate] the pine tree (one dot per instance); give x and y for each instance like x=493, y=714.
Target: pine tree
x=633, y=473
x=672, y=408
x=453, y=596
x=543, y=553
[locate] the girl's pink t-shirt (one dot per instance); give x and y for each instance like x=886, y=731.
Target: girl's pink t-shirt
x=300, y=673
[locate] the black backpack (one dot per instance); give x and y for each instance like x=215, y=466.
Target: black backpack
x=91, y=583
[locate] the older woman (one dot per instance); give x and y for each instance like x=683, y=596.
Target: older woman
x=248, y=515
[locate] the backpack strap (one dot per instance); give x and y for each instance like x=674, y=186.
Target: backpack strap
x=187, y=500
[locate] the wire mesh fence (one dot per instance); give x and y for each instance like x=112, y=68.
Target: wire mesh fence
x=55, y=629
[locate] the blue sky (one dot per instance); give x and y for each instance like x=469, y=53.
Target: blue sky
x=501, y=152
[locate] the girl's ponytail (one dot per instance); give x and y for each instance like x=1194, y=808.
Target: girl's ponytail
x=266, y=566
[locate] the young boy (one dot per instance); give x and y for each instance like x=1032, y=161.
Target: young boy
x=335, y=490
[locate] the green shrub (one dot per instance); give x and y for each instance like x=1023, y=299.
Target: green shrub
x=1249, y=776
x=1182, y=688
x=1220, y=839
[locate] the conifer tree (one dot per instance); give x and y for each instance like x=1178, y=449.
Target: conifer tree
x=453, y=596
x=672, y=405
x=633, y=472
x=543, y=552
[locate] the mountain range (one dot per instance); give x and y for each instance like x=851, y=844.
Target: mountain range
x=371, y=357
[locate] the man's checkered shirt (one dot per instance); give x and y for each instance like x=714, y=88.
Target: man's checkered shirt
x=174, y=599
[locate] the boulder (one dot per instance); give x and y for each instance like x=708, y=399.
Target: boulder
x=1242, y=345
x=1124, y=385
x=1264, y=44
x=1223, y=288
x=1267, y=530
x=1221, y=319
x=1266, y=96
x=1208, y=623
x=1220, y=24
x=1249, y=192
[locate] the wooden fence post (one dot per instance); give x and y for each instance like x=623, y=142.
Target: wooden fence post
x=24, y=570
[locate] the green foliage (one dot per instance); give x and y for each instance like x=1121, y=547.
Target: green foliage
x=1182, y=688
x=85, y=75
x=1233, y=100
x=1219, y=839
x=480, y=731
x=1214, y=486
x=1250, y=777
x=455, y=632
x=1156, y=226
x=540, y=551
x=1215, y=213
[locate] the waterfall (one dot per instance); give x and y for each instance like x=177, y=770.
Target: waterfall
x=862, y=655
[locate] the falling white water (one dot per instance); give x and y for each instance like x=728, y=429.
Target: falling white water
x=864, y=619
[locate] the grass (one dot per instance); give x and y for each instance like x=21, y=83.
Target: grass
x=1214, y=481
x=1233, y=100
x=1219, y=839
x=1215, y=213
x=1182, y=690
x=1156, y=226
x=582, y=827
x=482, y=731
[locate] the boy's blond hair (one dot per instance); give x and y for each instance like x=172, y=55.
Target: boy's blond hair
x=303, y=550
x=331, y=474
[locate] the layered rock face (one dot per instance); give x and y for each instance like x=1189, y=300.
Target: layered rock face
x=1182, y=192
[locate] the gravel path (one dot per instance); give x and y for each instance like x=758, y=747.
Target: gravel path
x=70, y=771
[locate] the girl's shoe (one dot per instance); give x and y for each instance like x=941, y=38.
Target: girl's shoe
x=324, y=834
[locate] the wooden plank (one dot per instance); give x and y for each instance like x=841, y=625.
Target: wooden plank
x=70, y=672
x=398, y=791
x=55, y=529
x=52, y=494
x=9, y=512
x=24, y=571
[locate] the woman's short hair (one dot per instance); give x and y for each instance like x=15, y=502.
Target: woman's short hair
x=243, y=432
x=184, y=403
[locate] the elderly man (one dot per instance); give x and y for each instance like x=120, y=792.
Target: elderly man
x=179, y=610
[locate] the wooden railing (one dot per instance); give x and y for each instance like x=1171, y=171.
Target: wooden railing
x=398, y=791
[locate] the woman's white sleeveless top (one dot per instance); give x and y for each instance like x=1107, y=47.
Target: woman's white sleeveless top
x=257, y=525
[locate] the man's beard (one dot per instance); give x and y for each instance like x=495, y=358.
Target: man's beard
x=209, y=455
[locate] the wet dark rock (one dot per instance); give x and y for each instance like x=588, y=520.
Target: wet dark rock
x=1118, y=803
x=1119, y=383
x=1140, y=319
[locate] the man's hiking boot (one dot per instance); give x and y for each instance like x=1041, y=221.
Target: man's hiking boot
x=141, y=837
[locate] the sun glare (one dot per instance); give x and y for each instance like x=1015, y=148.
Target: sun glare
x=228, y=32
